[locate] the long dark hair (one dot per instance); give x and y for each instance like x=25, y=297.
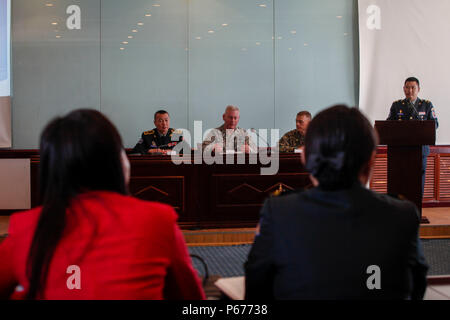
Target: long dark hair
x=78, y=152
x=339, y=142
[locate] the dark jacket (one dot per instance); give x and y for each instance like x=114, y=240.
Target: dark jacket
x=319, y=245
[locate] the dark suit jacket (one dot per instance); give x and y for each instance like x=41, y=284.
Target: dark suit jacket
x=319, y=244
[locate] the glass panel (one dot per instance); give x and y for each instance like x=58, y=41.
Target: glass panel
x=315, y=56
x=192, y=58
x=55, y=69
x=231, y=61
x=150, y=72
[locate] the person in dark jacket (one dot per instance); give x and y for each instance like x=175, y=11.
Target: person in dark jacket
x=338, y=240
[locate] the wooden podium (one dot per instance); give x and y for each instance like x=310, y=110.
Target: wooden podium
x=404, y=169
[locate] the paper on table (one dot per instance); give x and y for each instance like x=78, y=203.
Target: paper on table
x=231, y=152
x=233, y=287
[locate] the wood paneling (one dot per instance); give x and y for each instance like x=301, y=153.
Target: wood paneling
x=230, y=196
x=444, y=177
x=379, y=175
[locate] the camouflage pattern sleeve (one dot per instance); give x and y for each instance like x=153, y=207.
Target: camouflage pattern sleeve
x=213, y=136
x=251, y=144
x=284, y=145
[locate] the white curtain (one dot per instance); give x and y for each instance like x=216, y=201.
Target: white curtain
x=399, y=39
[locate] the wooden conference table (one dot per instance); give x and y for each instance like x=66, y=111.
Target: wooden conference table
x=213, y=196
x=228, y=196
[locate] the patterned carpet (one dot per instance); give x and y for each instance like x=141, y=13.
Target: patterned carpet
x=227, y=261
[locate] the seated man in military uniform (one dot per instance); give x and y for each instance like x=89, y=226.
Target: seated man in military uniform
x=159, y=139
x=294, y=139
x=414, y=108
x=229, y=137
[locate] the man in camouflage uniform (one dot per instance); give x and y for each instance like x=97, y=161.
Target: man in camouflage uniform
x=159, y=139
x=413, y=108
x=229, y=136
x=294, y=139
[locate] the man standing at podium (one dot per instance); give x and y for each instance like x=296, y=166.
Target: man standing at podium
x=414, y=108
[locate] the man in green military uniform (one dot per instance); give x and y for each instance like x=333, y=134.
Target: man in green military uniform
x=161, y=139
x=294, y=139
x=414, y=108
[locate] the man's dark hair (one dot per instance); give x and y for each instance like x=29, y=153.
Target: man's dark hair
x=160, y=112
x=338, y=143
x=413, y=79
x=79, y=152
x=304, y=113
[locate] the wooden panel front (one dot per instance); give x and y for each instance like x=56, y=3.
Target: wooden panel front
x=240, y=196
x=208, y=196
x=444, y=177
x=165, y=189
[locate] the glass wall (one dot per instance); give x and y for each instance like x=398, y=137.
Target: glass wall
x=191, y=58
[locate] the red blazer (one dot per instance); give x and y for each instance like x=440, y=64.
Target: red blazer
x=125, y=248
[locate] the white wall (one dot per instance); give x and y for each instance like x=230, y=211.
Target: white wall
x=412, y=40
x=15, y=188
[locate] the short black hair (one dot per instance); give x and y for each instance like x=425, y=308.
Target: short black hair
x=304, y=113
x=338, y=143
x=160, y=112
x=413, y=79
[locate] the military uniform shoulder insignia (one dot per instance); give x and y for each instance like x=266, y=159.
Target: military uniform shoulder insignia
x=146, y=133
x=178, y=131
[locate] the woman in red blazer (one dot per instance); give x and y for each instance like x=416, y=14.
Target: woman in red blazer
x=90, y=239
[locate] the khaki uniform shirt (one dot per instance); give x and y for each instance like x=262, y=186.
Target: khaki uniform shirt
x=230, y=139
